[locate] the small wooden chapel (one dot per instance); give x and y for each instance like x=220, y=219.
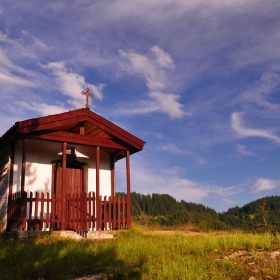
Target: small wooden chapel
x=58, y=173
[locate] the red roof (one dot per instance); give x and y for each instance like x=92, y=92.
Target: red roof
x=65, y=127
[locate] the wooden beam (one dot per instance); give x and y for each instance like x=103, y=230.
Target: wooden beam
x=61, y=136
x=112, y=163
x=23, y=164
x=11, y=180
x=98, y=222
x=78, y=116
x=82, y=128
x=11, y=183
x=128, y=190
x=63, y=187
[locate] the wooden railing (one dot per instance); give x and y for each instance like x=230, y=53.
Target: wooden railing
x=80, y=212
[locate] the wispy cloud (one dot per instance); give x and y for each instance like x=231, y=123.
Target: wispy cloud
x=153, y=71
x=259, y=91
x=41, y=108
x=241, y=149
x=263, y=184
x=72, y=84
x=148, y=179
x=238, y=126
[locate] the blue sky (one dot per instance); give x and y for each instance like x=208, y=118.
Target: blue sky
x=198, y=80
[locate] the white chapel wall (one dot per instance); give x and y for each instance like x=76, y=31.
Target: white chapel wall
x=39, y=157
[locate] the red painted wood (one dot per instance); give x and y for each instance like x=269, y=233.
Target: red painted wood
x=23, y=165
x=110, y=213
x=114, y=213
x=78, y=116
x=63, y=187
x=22, y=210
x=11, y=182
x=128, y=190
x=53, y=211
x=89, y=210
x=112, y=163
x=105, y=204
x=48, y=211
x=119, y=213
x=75, y=138
x=94, y=210
x=82, y=128
x=42, y=210
x=98, y=189
x=123, y=213
x=36, y=209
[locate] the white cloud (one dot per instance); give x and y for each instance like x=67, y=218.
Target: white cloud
x=146, y=180
x=263, y=184
x=10, y=79
x=72, y=84
x=237, y=125
x=37, y=42
x=41, y=108
x=259, y=90
x=169, y=104
x=163, y=59
x=241, y=149
x=154, y=74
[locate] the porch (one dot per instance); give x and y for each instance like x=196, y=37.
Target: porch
x=78, y=211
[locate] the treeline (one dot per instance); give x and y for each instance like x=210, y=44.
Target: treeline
x=260, y=214
x=164, y=210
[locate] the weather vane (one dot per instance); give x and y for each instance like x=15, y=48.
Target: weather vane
x=87, y=94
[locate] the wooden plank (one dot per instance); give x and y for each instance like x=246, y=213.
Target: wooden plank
x=98, y=188
x=22, y=207
x=23, y=165
x=75, y=138
x=63, y=188
x=128, y=190
x=105, y=212
x=84, y=210
x=30, y=211
x=114, y=213
x=94, y=210
x=42, y=210
x=11, y=182
x=123, y=212
x=119, y=213
x=48, y=211
x=112, y=164
x=77, y=117
x=53, y=206
x=110, y=213
x=36, y=209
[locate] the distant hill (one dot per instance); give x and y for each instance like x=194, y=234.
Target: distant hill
x=164, y=210
x=249, y=217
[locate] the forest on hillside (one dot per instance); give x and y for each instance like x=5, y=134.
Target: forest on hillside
x=164, y=210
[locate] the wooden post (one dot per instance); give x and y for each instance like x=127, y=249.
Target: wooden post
x=11, y=182
x=82, y=128
x=112, y=175
x=98, y=222
x=22, y=184
x=63, y=186
x=128, y=190
x=23, y=165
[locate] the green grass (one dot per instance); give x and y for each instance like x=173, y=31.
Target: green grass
x=134, y=254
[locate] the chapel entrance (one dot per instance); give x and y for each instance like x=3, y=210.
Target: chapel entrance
x=70, y=210
x=74, y=182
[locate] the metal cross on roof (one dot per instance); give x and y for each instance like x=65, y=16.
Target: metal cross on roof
x=87, y=94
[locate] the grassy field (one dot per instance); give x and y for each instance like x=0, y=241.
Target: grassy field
x=137, y=254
